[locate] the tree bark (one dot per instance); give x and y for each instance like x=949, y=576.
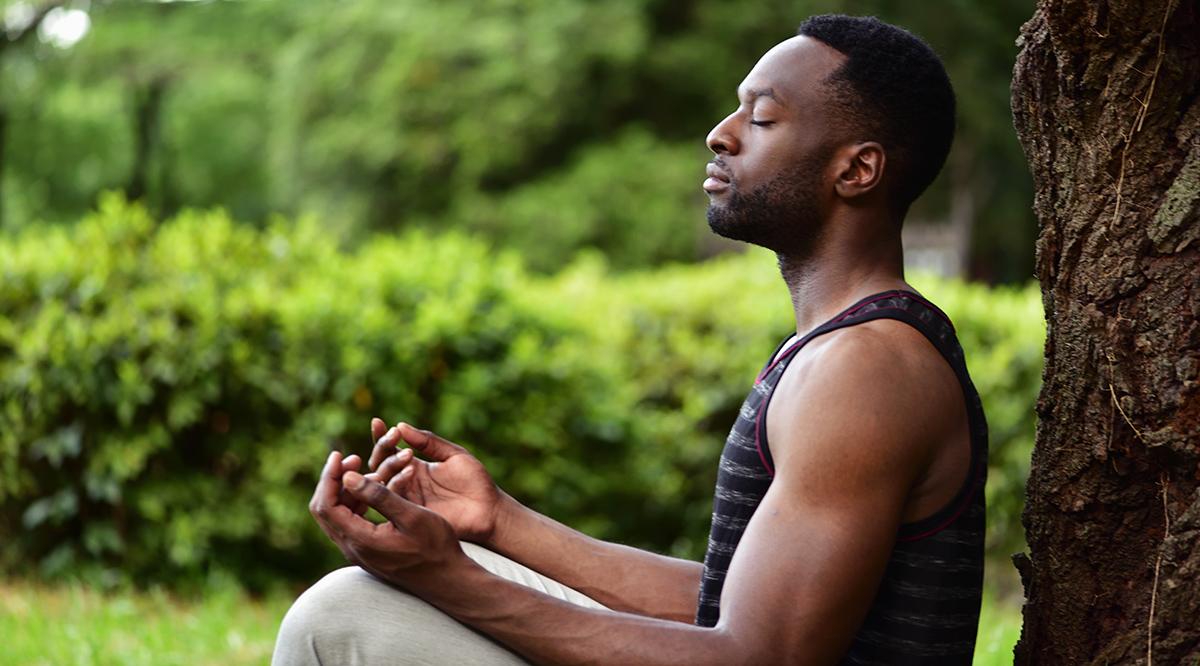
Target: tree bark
x=1105, y=104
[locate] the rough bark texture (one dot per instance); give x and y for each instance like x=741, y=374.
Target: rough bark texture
x=1105, y=104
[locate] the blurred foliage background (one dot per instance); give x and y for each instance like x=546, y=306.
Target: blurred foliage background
x=547, y=125
x=231, y=232
x=168, y=389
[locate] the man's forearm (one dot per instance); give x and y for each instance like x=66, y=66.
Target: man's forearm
x=622, y=578
x=545, y=630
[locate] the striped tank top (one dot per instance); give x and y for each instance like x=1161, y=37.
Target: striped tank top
x=926, y=609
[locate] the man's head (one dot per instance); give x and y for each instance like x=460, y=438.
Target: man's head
x=850, y=112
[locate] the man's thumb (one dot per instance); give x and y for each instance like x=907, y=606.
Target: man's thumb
x=378, y=497
x=428, y=444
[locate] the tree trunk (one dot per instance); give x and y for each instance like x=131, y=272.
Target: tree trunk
x=145, y=135
x=1105, y=104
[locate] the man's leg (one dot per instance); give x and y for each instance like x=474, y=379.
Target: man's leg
x=350, y=617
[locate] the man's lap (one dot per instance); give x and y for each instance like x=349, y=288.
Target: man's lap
x=351, y=617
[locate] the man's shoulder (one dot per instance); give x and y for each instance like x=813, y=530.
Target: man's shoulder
x=885, y=356
x=880, y=384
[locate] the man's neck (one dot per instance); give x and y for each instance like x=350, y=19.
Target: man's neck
x=833, y=278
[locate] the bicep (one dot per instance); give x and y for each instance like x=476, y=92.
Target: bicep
x=808, y=567
x=805, y=574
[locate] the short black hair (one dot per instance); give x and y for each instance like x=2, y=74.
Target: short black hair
x=893, y=88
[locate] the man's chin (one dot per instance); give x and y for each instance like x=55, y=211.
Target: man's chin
x=724, y=224
x=749, y=230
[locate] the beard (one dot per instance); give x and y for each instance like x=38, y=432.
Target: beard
x=782, y=215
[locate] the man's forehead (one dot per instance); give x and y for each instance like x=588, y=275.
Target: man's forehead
x=791, y=70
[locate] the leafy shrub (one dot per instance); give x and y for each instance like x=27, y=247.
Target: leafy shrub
x=168, y=391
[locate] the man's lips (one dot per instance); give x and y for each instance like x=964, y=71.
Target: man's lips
x=717, y=179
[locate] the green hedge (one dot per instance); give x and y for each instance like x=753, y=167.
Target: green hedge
x=169, y=390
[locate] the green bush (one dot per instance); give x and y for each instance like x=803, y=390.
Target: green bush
x=169, y=391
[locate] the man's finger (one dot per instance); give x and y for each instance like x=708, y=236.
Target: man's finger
x=392, y=466
x=344, y=525
x=326, y=493
x=393, y=507
x=378, y=430
x=428, y=444
x=384, y=447
x=351, y=463
x=399, y=485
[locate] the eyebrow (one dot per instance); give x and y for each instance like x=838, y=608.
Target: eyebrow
x=754, y=93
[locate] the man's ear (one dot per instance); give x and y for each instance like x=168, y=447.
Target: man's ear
x=861, y=169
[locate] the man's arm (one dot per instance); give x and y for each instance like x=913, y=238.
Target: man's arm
x=804, y=573
x=620, y=577
x=454, y=484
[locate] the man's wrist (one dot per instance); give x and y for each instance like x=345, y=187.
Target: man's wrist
x=435, y=581
x=508, y=516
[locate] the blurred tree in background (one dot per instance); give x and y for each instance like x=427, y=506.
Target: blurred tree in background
x=551, y=126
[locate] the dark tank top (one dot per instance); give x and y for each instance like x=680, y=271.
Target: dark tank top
x=926, y=609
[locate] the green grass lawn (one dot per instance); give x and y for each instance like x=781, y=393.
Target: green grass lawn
x=72, y=625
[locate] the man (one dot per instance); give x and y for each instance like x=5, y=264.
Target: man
x=848, y=517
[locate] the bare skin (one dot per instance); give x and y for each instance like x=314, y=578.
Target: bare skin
x=455, y=484
x=867, y=428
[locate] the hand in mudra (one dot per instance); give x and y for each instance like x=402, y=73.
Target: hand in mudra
x=449, y=480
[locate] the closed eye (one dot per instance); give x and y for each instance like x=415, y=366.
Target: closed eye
x=762, y=123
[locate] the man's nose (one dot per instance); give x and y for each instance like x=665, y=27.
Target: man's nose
x=722, y=139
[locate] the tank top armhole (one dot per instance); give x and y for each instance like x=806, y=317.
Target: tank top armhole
x=760, y=435
x=761, y=443
x=947, y=514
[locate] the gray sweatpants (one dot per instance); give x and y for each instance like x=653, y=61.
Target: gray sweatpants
x=350, y=617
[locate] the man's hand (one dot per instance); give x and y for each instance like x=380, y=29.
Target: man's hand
x=412, y=545
x=351, y=463
x=452, y=483
x=455, y=485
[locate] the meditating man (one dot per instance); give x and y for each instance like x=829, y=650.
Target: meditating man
x=848, y=519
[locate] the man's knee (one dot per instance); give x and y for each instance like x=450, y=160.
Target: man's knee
x=324, y=622
x=329, y=600
x=351, y=617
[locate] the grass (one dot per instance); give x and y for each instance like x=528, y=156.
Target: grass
x=72, y=625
